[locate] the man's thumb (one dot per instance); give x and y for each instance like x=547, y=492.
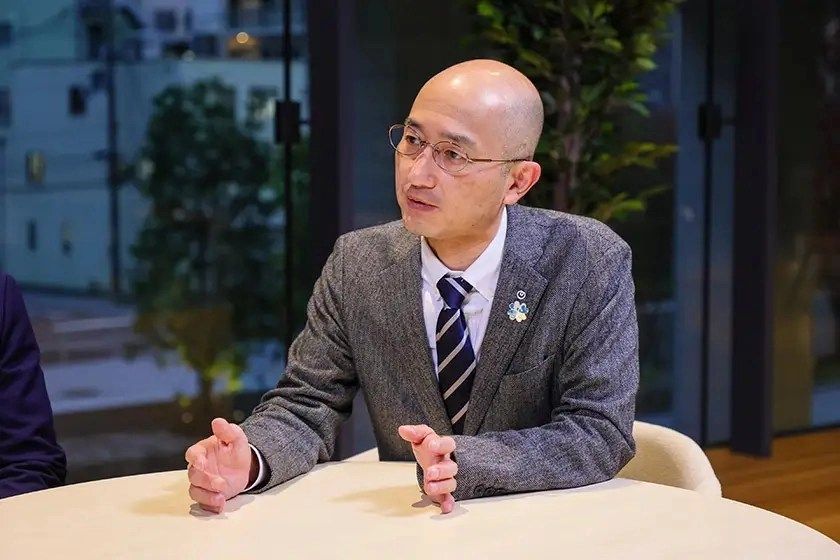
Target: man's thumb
x=223, y=430
x=414, y=434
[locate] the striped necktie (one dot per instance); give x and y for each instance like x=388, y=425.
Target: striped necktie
x=455, y=356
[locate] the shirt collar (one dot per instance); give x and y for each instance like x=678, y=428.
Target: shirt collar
x=482, y=274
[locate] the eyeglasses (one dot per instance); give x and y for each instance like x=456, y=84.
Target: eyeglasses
x=447, y=155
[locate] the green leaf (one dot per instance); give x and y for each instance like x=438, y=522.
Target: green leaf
x=651, y=192
x=645, y=45
x=617, y=208
x=581, y=11
x=539, y=63
x=639, y=108
x=627, y=87
x=613, y=45
x=645, y=64
x=488, y=10
x=589, y=94
x=600, y=9
x=500, y=36
x=627, y=206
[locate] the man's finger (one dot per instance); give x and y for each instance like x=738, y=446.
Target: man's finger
x=211, y=501
x=204, y=480
x=445, y=501
x=439, y=445
x=440, y=487
x=239, y=438
x=442, y=470
x=415, y=434
x=226, y=432
x=196, y=455
x=447, y=504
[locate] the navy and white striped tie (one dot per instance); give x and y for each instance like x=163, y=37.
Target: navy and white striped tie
x=455, y=356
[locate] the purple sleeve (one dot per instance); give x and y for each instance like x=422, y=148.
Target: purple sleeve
x=30, y=457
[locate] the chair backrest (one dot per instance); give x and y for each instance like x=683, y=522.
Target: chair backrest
x=365, y=456
x=665, y=456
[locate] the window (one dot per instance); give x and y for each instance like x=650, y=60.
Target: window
x=32, y=235
x=165, y=20
x=131, y=49
x=5, y=33
x=175, y=49
x=96, y=41
x=36, y=167
x=244, y=45
x=206, y=46
x=261, y=103
x=77, y=101
x=66, y=238
x=5, y=107
x=58, y=240
x=271, y=47
x=98, y=80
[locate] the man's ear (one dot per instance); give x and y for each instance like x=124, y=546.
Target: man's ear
x=522, y=177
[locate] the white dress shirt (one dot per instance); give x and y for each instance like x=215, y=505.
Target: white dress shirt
x=482, y=274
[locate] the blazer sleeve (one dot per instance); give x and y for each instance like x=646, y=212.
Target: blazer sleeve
x=296, y=424
x=30, y=457
x=596, y=375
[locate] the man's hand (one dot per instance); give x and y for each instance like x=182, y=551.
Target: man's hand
x=220, y=466
x=433, y=455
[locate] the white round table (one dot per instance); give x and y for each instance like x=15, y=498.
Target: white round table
x=374, y=510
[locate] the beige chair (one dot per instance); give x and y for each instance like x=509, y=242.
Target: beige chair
x=365, y=456
x=663, y=456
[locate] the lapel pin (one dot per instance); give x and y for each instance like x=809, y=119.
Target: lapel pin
x=518, y=311
x=520, y=294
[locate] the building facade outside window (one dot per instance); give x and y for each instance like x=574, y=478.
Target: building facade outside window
x=36, y=167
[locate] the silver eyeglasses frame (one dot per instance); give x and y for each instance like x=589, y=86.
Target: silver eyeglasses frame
x=437, y=150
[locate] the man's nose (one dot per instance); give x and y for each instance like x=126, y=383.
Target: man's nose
x=423, y=168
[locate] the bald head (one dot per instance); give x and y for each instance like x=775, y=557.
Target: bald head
x=494, y=114
x=496, y=94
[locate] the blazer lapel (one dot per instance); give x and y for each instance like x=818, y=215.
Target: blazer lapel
x=523, y=246
x=405, y=311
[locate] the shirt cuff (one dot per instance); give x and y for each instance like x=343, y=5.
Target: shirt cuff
x=260, y=474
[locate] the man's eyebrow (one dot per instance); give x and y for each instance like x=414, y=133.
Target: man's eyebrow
x=459, y=139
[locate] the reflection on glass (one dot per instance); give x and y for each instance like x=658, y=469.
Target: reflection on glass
x=651, y=234
x=184, y=182
x=807, y=267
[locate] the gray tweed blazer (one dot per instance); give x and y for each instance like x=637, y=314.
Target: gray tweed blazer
x=553, y=399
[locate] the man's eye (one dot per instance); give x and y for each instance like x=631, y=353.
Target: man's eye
x=454, y=156
x=413, y=140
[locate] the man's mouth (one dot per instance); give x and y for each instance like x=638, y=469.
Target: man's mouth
x=419, y=201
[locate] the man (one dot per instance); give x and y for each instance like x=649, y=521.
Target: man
x=30, y=458
x=495, y=344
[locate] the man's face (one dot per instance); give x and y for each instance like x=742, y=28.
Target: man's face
x=440, y=205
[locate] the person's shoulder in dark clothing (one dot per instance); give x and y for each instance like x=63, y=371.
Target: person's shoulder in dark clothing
x=30, y=457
